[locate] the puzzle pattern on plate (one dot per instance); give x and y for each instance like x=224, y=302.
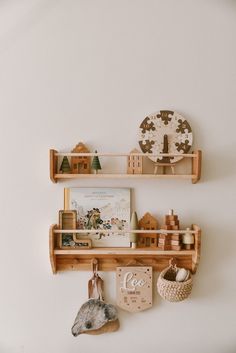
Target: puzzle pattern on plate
x=165, y=122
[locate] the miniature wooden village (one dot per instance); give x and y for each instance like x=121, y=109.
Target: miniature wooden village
x=161, y=238
x=79, y=164
x=83, y=164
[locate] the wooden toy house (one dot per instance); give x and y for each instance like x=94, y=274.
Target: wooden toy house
x=150, y=240
x=134, y=163
x=80, y=165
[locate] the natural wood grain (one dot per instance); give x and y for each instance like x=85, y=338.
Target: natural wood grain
x=52, y=244
x=110, y=258
x=111, y=252
x=53, y=165
x=124, y=176
x=196, y=166
x=138, y=231
x=70, y=154
x=197, y=248
x=194, y=176
x=134, y=163
x=83, y=263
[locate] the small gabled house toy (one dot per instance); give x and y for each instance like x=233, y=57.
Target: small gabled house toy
x=148, y=222
x=80, y=165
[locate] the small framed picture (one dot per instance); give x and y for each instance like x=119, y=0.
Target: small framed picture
x=102, y=209
x=68, y=221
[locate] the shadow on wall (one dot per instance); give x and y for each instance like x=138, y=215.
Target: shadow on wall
x=218, y=165
x=218, y=250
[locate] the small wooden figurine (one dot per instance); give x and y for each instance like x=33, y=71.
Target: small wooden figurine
x=148, y=222
x=80, y=165
x=65, y=166
x=133, y=237
x=188, y=240
x=170, y=241
x=96, y=164
x=134, y=163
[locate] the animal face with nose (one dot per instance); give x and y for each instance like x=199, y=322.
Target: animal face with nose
x=93, y=315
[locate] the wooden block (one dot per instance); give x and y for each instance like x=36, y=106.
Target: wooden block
x=85, y=243
x=164, y=247
x=166, y=227
x=165, y=241
x=176, y=247
x=174, y=223
x=175, y=242
x=165, y=236
x=169, y=218
x=174, y=227
x=176, y=237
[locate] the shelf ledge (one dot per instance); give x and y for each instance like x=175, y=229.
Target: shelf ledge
x=110, y=258
x=194, y=176
x=122, y=252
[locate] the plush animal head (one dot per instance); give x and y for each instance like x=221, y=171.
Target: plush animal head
x=93, y=315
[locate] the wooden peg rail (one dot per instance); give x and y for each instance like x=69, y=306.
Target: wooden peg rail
x=109, y=258
x=195, y=175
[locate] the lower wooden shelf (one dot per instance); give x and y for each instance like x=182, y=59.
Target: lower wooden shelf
x=110, y=258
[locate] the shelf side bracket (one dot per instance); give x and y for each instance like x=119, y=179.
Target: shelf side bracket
x=196, y=166
x=53, y=165
x=52, y=245
x=197, y=248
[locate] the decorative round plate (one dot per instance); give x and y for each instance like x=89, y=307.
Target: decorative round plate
x=165, y=132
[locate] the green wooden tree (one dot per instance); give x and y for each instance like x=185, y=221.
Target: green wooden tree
x=96, y=164
x=65, y=166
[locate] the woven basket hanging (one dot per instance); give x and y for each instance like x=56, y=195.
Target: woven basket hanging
x=171, y=290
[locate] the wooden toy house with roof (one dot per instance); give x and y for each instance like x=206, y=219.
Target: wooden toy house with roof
x=80, y=164
x=134, y=163
x=150, y=240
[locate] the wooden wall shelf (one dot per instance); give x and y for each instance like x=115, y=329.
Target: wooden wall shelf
x=110, y=258
x=195, y=175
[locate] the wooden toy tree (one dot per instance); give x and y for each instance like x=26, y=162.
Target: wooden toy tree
x=134, y=226
x=96, y=164
x=65, y=166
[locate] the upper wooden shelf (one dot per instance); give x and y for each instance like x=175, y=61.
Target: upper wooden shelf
x=194, y=176
x=110, y=258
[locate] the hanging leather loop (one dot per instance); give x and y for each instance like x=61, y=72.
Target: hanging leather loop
x=95, y=284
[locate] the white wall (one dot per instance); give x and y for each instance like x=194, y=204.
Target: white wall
x=92, y=70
